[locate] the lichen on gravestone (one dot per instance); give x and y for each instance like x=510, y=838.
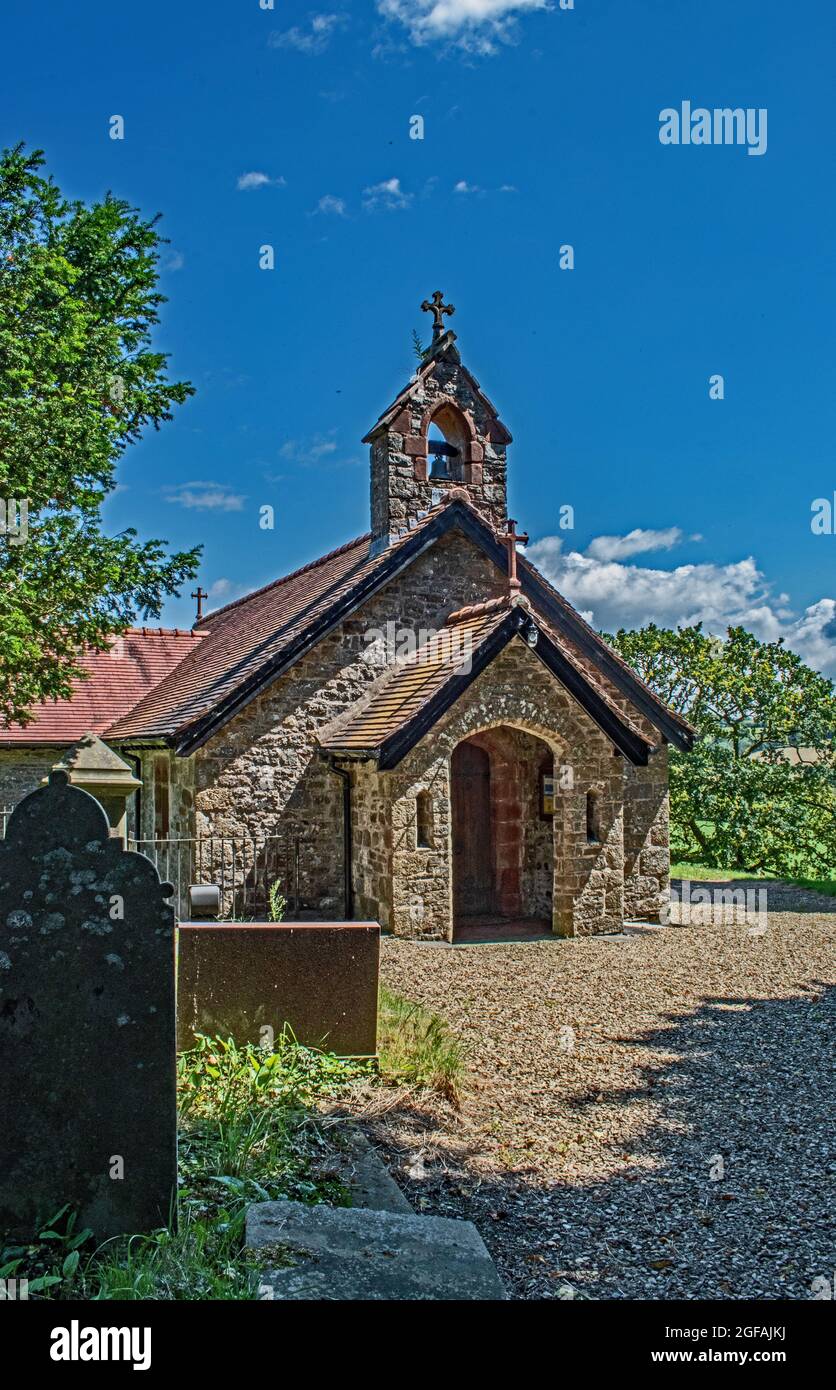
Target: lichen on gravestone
x=87, y=1022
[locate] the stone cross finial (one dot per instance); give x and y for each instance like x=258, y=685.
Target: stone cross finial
x=438, y=309
x=200, y=595
x=511, y=538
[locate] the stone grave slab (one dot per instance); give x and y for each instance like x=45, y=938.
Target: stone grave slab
x=346, y=1253
x=87, y=1022
x=369, y=1182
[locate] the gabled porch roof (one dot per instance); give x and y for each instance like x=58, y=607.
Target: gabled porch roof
x=251, y=642
x=386, y=725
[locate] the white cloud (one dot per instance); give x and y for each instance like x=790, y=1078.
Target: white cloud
x=463, y=187
x=387, y=196
x=330, y=204
x=477, y=25
x=634, y=543
x=814, y=635
x=318, y=451
x=312, y=40
x=205, y=497
x=611, y=594
x=223, y=591
x=309, y=451
x=257, y=179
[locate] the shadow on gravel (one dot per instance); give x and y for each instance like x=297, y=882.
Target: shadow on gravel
x=729, y=1193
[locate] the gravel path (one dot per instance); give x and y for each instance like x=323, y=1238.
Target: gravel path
x=646, y=1117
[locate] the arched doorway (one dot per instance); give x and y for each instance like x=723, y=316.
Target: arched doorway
x=502, y=836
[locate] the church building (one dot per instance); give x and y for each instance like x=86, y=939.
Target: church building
x=457, y=749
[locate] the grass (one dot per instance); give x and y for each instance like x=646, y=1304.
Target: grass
x=248, y=1132
x=417, y=1047
x=699, y=872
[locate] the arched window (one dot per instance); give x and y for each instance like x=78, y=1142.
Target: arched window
x=424, y=820
x=448, y=454
x=593, y=826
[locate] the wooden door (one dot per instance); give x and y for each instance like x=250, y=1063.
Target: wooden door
x=472, y=855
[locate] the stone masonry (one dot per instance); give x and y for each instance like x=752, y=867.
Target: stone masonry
x=514, y=693
x=602, y=856
x=445, y=396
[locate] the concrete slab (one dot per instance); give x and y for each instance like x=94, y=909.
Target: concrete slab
x=349, y=1253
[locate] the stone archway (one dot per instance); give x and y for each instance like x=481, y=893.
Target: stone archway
x=502, y=840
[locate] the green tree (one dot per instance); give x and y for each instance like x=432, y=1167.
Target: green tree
x=79, y=383
x=739, y=800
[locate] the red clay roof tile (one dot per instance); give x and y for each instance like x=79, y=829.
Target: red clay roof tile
x=118, y=678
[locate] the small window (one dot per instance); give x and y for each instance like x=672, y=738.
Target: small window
x=161, y=813
x=593, y=827
x=424, y=820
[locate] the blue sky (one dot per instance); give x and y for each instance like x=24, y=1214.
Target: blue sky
x=541, y=128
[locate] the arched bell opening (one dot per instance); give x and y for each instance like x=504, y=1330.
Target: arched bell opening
x=448, y=445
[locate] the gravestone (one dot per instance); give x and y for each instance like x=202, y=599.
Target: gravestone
x=87, y=1022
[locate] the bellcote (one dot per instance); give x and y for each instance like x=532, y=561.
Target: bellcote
x=440, y=433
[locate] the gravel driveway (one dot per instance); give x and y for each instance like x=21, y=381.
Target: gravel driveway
x=649, y=1117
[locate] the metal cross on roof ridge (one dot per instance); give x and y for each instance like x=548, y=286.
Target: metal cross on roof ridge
x=200, y=595
x=511, y=538
x=438, y=309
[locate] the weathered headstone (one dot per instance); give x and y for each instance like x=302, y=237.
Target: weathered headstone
x=87, y=1022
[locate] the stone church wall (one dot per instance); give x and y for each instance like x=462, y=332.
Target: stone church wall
x=421, y=880
x=372, y=839
x=515, y=690
x=21, y=771
x=400, y=485
x=265, y=764
x=647, y=881
x=179, y=775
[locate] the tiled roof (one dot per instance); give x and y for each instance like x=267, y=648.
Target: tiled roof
x=408, y=701
x=247, y=644
x=245, y=636
x=118, y=678
x=412, y=684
